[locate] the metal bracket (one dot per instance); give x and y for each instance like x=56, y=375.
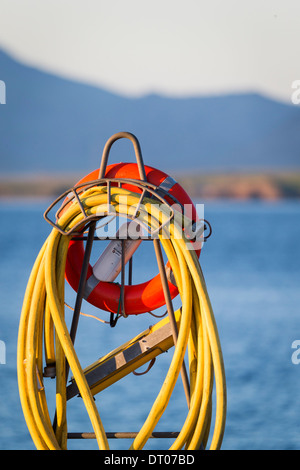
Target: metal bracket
x=144, y=187
x=149, y=344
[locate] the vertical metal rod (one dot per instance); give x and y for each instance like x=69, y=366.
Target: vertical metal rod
x=130, y=271
x=171, y=314
x=108, y=195
x=123, y=279
x=82, y=280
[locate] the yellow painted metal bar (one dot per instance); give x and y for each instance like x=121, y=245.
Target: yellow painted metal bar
x=128, y=357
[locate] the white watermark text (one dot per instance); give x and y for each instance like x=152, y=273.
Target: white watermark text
x=296, y=94
x=2, y=92
x=2, y=353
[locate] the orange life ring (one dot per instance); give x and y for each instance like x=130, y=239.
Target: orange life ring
x=139, y=298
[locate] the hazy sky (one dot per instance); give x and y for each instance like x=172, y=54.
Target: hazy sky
x=165, y=46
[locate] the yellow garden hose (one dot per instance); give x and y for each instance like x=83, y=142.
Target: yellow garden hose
x=43, y=332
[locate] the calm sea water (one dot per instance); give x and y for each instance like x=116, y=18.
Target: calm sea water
x=252, y=268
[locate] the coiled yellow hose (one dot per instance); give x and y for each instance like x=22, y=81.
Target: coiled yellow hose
x=43, y=328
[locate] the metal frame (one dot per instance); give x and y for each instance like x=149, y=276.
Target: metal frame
x=148, y=190
x=122, y=435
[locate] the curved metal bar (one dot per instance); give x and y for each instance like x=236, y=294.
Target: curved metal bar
x=76, y=190
x=137, y=149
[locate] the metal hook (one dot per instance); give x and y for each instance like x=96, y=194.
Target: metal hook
x=137, y=149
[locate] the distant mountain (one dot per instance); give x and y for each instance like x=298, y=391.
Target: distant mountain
x=52, y=124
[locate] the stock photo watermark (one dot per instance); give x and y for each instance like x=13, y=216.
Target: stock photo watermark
x=2, y=352
x=2, y=92
x=296, y=354
x=296, y=94
x=151, y=220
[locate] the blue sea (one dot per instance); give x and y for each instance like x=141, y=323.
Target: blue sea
x=251, y=264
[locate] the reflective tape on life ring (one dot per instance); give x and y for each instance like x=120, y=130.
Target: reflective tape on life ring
x=138, y=298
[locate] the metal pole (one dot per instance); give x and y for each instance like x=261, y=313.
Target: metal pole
x=121, y=435
x=171, y=314
x=82, y=280
x=123, y=279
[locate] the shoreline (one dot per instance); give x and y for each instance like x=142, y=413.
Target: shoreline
x=270, y=186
